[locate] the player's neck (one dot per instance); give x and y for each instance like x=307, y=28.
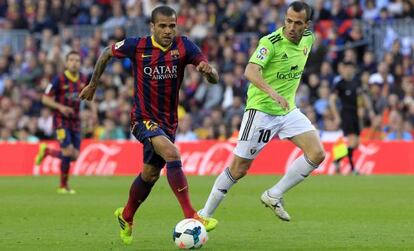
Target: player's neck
x=158, y=45
x=72, y=76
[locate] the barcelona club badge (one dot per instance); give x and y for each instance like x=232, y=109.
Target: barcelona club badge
x=305, y=50
x=175, y=54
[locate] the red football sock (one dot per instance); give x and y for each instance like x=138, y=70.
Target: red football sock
x=138, y=192
x=64, y=171
x=179, y=185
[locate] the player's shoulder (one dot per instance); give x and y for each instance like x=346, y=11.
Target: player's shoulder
x=273, y=38
x=58, y=77
x=184, y=40
x=308, y=35
x=129, y=41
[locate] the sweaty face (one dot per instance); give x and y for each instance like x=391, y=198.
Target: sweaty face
x=295, y=24
x=73, y=63
x=164, y=29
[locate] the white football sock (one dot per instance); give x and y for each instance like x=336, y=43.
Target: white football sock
x=223, y=183
x=297, y=172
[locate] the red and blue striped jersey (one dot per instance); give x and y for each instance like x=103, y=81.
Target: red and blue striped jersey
x=66, y=92
x=158, y=74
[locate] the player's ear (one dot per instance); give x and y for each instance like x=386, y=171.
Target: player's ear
x=308, y=24
x=152, y=26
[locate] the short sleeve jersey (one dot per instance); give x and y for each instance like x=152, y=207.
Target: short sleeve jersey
x=158, y=74
x=282, y=63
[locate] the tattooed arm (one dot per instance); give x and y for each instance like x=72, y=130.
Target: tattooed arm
x=89, y=90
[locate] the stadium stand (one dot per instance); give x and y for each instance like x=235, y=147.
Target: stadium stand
x=378, y=36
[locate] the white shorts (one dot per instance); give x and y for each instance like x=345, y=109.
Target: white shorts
x=258, y=128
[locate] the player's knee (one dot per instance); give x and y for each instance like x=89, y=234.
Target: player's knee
x=171, y=154
x=317, y=156
x=150, y=176
x=238, y=168
x=75, y=154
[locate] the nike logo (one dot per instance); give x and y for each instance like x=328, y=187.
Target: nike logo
x=145, y=56
x=181, y=189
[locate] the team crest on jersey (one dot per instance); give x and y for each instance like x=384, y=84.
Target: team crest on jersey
x=119, y=44
x=262, y=53
x=175, y=54
x=305, y=50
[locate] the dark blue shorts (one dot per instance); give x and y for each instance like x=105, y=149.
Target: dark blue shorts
x=67, y=137
x=144, y=131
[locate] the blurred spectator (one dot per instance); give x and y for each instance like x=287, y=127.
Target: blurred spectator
x=45, y=123
x=374, y=132
x=111, y=131
x=226, y=31
x=396, y=129
x=185, y=132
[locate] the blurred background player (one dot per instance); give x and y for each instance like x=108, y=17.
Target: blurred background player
x=274, y=71
x=348, y=90
x=62, y=96
x=158, y=64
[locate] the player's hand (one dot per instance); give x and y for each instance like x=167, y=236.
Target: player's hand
x=280, y=100
x=66, y=110
x=204, y=67
x=88, y=92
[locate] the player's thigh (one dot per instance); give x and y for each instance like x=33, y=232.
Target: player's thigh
x=63, y=135
x=76, y=143
x=145, y=131
x=165, y=148
x=256, y=130
x=311, y=145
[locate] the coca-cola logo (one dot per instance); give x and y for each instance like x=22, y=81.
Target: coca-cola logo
x=362, y=164
x=211, y=161
x=95, y=160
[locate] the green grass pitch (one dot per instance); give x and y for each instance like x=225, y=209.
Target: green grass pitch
x=328, y=213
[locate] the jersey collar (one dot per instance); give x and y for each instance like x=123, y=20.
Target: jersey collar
x=71, y=77
x=157, y=45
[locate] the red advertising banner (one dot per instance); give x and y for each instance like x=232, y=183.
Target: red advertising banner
x=202, y=158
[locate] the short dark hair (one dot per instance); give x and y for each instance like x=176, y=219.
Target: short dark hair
x=163, y=10
x=72, y=53
x=298, y=6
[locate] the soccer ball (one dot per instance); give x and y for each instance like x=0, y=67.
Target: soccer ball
x=190, y=234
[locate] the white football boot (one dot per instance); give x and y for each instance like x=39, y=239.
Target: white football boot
x=276, y=205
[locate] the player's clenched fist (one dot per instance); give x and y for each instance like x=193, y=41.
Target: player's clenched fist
x=204, y=67
x=88, y=92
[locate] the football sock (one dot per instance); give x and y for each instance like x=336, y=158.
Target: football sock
x=351, y=161
x=64, y=171
x=297, y=172
x=179, y=185
x=138, y=192
x=221, y=186
x=52, y=152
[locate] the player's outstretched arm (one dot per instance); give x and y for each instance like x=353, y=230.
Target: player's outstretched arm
x=209, y=72
x=89, y=90
x=253, y=74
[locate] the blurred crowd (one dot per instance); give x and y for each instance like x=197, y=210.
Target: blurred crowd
x=227, y=32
